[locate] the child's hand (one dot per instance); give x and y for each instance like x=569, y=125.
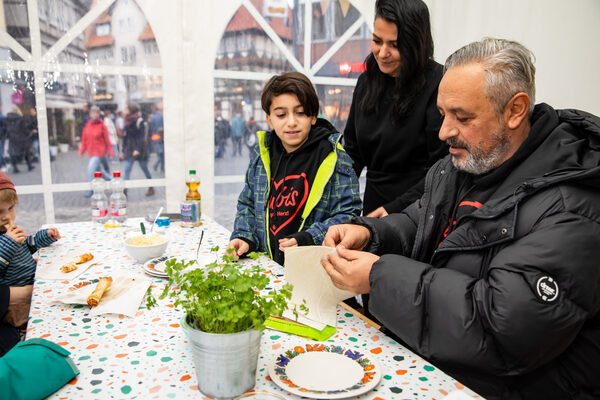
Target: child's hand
x=53, y=233
x=287, y=243
x=16, y=234
x=241, y=247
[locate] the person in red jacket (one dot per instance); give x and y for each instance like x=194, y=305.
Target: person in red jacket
x=96, y=142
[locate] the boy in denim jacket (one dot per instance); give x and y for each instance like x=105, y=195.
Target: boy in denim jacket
x=300, y=181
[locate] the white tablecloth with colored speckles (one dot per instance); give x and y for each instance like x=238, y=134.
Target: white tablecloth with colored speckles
x=148, y=356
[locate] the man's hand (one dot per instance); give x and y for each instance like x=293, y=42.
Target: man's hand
x=53, y=233
x=351, y=270
x=135, y=153
x=16, y=234
x=18, y=306
x=286, y=243
x=353, y=237
x=377, y=213
x=241, y=247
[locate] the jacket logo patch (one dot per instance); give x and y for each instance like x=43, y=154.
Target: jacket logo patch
x=287, y=201
x=547, y=289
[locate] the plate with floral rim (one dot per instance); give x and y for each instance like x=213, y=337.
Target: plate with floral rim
x=324, y=371
x=156, y=267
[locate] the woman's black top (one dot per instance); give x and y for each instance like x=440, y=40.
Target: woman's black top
x=396, y=154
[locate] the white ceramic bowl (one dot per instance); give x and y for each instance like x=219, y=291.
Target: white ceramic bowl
x=145, y=253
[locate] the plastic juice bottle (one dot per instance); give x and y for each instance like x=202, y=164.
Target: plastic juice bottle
x=118, y=200
x=193, y=182
x=190, y=208
x=99, y=202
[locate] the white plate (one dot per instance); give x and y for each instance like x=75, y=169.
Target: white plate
x=323, y=371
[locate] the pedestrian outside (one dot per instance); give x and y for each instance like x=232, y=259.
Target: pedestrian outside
x=135, y=142
x=19, y=140
x=238, y=128
x=95, y=141
x=112, y=134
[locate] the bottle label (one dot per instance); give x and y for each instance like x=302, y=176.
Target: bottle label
x=99, y=213
x=118, y=212
x=190, y=213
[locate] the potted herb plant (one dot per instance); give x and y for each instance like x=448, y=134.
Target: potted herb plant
x=63, y=143
x=224, y=317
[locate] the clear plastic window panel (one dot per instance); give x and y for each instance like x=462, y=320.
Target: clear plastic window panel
x=17, y=26
x=66, y=94
x=30, y=213
x=236, y=98
x=19, y=137
x=246, y=46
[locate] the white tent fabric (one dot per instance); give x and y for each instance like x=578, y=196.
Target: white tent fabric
x=562, y=35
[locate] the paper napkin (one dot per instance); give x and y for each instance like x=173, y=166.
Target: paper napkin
x=49, y=269
x=124, y=295
x=303, y=269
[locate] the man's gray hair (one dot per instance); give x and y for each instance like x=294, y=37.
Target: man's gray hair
x=508, y=69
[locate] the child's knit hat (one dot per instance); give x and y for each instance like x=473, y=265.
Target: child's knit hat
x=5, y=182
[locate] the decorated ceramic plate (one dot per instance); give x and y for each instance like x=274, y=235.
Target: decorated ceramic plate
x=154, y=274
x=156, y=267
x=323, y=371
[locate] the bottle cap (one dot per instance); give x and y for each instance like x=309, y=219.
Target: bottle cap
x=192, y=172
x=97, y=174
x=116, y=174
x=163, y=221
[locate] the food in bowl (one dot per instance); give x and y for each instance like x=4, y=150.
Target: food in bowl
x=145, y=247
x=146, y=240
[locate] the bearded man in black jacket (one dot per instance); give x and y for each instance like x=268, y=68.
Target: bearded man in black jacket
x=494, y=274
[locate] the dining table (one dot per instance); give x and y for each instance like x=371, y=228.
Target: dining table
x=148, y=355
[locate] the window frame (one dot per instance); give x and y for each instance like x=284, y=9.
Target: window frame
x=307, y=68
x=40, y=63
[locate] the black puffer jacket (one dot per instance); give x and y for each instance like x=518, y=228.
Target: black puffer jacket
x=509, y=303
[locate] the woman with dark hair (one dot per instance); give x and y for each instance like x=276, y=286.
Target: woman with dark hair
x=393, y=124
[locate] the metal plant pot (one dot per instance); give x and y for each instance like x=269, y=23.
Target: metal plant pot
x=225, y=362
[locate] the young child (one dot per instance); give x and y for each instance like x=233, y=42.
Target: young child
x=17, y=266
x=300, y=181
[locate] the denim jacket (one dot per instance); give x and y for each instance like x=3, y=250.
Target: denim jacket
x=334, y=197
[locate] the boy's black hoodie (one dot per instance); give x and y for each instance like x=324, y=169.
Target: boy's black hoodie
x=292, y=176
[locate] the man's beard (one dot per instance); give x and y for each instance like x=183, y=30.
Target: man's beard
x=477, y=161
